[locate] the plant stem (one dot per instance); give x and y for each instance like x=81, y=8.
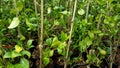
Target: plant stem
x=41, y=34
x=69, y=42
x=69, y=18
x=87, y=10
x=111, y=47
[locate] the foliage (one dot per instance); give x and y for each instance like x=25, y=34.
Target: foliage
x=93, y=36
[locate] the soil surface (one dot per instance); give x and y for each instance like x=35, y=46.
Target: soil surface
x=55, y=61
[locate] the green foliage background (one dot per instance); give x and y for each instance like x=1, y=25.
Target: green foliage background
x=98, y=32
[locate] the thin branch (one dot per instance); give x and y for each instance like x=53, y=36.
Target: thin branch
x=42, y=20
x=41, y=34
x=35, y=6
x=87, y=10
x=111, y=47
x=99, y=21
x=70, y=9
x=69, y=42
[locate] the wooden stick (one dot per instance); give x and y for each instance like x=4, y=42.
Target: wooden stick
x=41, y=34
x=69, y=42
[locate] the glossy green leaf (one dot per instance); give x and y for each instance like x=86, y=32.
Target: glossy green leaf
x=18, y=48
x=65, y=12
x=49, y=10
x=51, y=52
x=88, y=41
x=15, y=22
x=81, y=12
x=15, y=54
x=29, y=42
x=46, y=60
x=12, y=54
x=19, y=65
x=55, y=42
x=26, y=53
x=25, y=62
x=9, y=65
x=91, y=35
x=63, y=37
x=7, y=55
x=49, y=41
x=59, y=50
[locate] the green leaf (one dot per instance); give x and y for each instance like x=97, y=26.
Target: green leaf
x=63, y=37
x=26, y=53
x=25, y=62
x=18, y=48
x=30, y=25
x=88, y=41
x=10, y=65
x=15, y=54
x=49, y=41
x=12, y=54
x=15, y=22
x=55, y=42
x=62, y=45
x=56, y=7
x=49, y=10
x=46, y=60
x=1, y=66
x=19, y=65
x=91, y=35
x=59, y=50
x=51, y=53
x=65, y=12
x=56, y=22
x=19, y=6
x=7, y=55
x=81, y=12
x=22, y=37
x=29, y=42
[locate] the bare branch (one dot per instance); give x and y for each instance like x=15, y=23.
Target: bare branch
x=87, y=9
x=69, y=42
x=41, y=34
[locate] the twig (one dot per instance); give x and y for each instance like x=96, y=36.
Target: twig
x=69, y=18
x=69, y=42
x=87, y=10
x=41, y=34
x=99, y=21
x=38, y=29
x=111, y=47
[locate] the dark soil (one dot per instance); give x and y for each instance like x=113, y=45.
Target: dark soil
x=56, y=63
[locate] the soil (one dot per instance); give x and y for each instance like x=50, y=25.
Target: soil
x=56, y=63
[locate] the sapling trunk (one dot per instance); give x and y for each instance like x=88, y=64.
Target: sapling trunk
x=69, y=42
x=87, y=10
x=41, y=34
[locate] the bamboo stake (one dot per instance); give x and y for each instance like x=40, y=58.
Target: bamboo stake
x=69, y=42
